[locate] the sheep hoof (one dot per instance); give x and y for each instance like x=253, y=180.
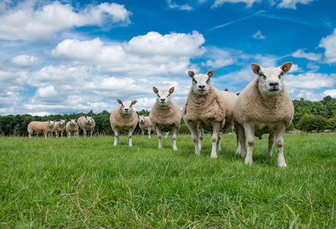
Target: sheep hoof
x=214, y=156
x=248, y=161
x=282, y=165
x=269, y=154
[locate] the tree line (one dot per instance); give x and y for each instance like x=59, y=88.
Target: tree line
x=309, y=116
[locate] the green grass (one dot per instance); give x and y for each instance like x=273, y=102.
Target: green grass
x=90, y=183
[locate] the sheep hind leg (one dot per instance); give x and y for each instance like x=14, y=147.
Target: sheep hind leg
x=215, y=139
x=200, y=138
x=241, y=141
x=116, y=137
x=279, y=144
x=159, y=136
x=249, y=132
x=149, y=133
x=218, y=142
x=130, y=138
x=270, y=144
x=174, y=132
x=195, y=138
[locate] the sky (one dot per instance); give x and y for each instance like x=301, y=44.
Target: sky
x=64, y=57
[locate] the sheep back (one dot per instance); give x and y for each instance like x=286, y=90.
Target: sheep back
x=121, y=121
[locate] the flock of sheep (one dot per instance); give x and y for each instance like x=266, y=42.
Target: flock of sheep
x=263, y=107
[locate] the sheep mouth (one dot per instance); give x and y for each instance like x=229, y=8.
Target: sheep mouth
x=274, y=90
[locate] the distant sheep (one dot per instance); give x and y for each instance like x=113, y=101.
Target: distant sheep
x=165, y=115
x=124, y=118
x=40, y=127
x=86, y=123
x=264, y=106
x=72, y=127
x=59, y=128
x=207, y=108
x=145, y=125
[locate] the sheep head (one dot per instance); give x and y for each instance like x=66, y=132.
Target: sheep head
x=73, y=122
x=126, y=107
x=88, y=120
x=51, y=123
x=163, y=97
x=62, y=122
x=141, y=118
x=270, y=80
x=201, y=82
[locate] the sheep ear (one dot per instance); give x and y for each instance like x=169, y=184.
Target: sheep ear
x=191, y=74
x=155, y=90
x=238, y=93
x=226, y=89
x=133, y=102
x=171, y=90
x=286, y=67
x=255, y=68
x=211, y=73
x=119, y=101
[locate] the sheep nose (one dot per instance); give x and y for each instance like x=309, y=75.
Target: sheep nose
x=274, y=84
x=201, y=86
x=162, y=100
x=126, y=109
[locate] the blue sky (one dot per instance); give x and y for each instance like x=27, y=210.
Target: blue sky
x=68, y=56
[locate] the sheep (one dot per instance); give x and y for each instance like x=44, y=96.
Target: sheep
x=86, y=123
x=207, y=108
x=124, y=118
x=40, y=127
x=264, y=106
x=145, y=125
x=59, y=127
x=72, y=127
x=165, y=115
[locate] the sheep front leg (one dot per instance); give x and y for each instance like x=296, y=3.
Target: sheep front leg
x=270, y=144
x=218, y=142
x=214, y=139
x=69, y=134
x=249, y=132
x=279, y=144
x=194, y=135
x=84, y=133
x=129, y=141
x=159, y=135
x=116, y=137
x=241, y=140
x=174, y=132
x=142, y=133
x=200, y=138
x=56, y=133
x=91, y=132
x=62, y=134
x=149, y=132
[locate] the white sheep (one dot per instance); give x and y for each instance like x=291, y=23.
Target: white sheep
x=59, y=127
x=165, y=115
x=264, y=106
x=40, y=127
x=86, y=123
x=72, y=127
x=207, y=108
x=145, y=125
x=124, y=118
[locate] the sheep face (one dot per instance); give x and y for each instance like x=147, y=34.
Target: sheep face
x=126, y=107
x=73, y=122
x=163, y=97
x=270, y=80
x=61, y=122
x=141, y=118
x=51, y=123
x=88, y=120
x=201, y=82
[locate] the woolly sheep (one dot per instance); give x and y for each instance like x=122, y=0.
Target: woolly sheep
x=207, y=108
x=40, y=127
x=264, y=106
x=145, y=125
x=72, y=127
x=165, y=115
x=59, y=127
x=86, y=123
x=124, y=118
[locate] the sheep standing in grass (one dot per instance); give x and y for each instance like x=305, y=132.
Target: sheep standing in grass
x=165, y=115
x=59, y=128
x=40, y=127
x=207, y=108
x=86, y=123
x=145, y=125
x=72, y=127
x=264, y=106
x=124, y=118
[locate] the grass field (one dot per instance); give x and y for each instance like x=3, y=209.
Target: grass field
x=90, y=183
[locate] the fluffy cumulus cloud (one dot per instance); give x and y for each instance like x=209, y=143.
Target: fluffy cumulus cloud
x=329, y=44
x=32, y=22
x=150, y=54
x=309, y=56
x=25, y=60
x=292, y=3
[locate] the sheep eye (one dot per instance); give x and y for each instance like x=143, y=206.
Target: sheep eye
x=281, y=74
x=194, y=81
x=262, y=75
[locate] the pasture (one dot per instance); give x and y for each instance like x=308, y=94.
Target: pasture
x=90, y=183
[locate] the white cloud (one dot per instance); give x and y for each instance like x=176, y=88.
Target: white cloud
x=25, y=60
x=329, y=44
x=258, y=35
x=173, y=5
x=310, y=56
x=331, y=92
x=292, y=3
x=248, y=3
x=32, y=22
x=309, y=80
x=218, y=63
x=151, y=54
x=295, y=68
